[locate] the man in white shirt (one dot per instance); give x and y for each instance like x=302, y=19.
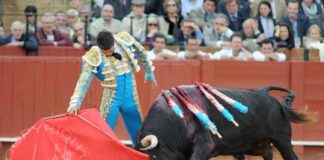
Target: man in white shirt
x=192, y=50
x=236, y=52
x=159, y=51
x=267, y=53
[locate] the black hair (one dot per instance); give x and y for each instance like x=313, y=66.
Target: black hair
x=290, y=41
x=30, y=9
x=105, y=40
x=159, y=35
x=191, y=37
x=267, y=3
x=237, y=34
x=214, y=1
x=268, y=41
x=293, y=1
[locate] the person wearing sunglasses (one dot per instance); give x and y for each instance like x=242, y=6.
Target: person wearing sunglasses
x=153, y=27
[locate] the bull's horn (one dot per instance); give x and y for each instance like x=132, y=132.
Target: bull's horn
x=149, y=142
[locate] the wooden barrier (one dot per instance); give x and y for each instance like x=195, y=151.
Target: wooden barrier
x=233, y=74
x=43, y=51
x=209, y=49
x=302, y=54
x=286, y=51
x=298, y=54
x=36, y=87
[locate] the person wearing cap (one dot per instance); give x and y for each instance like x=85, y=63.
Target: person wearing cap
x=113, y=61
x=135, y=22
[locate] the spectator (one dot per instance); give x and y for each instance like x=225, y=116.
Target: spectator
x=192, y=50
x=236, y=17
x=159, y=50
x=313, y=40
x=152, y=29
x=188, y=5
x=298, y=23
x=188, y=29
x=278, y=8
x=284, y=37
x=31, y=14
x=16, y=38
x=155, y=7
x=243, y=7
x=71, y=18
x=60, y=22
x=2, y=32
x=170, y=22
x=219, y=34
x=75, y=4
x=265, y=19
x=122, y=6
x=78, y=39
x=48, y=36
x=236, y=52
x=85, y=13
x=310, y=9
x=135, y=23
x=251, y=34
x=267, y=53
x=319, y=20
x=106, y=22
x=204, y=16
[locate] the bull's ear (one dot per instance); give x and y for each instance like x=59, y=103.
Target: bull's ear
x=149, y=142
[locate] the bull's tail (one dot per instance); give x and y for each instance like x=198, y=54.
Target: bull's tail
x=292, y=115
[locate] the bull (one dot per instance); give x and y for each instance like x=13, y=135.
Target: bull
x=165, y=136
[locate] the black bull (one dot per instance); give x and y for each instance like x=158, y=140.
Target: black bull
x=165, y=136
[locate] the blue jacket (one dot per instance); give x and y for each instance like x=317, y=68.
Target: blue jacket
x=8, y=39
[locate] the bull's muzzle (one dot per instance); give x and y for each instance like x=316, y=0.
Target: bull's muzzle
x=149, y=142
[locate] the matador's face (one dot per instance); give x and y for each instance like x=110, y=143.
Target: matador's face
x=109, y=51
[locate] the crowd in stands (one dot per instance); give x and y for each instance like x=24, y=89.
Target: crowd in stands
x=246, y=30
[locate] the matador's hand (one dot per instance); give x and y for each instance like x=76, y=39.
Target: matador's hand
x=72, y=110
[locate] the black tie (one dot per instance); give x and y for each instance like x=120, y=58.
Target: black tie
x=234, y=20
x=206, y=17
x=117, y=56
